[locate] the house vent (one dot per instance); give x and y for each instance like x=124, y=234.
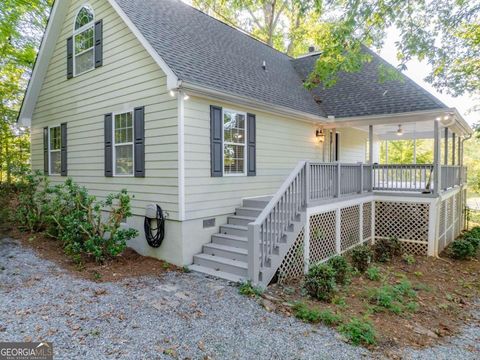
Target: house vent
x=208, y=223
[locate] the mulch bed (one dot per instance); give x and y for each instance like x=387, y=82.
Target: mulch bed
x=446, y=293
x=127, y=265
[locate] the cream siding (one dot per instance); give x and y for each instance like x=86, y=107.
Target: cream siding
x=129, y=78
x=281, y=143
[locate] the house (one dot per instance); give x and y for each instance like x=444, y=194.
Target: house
x=256, y=175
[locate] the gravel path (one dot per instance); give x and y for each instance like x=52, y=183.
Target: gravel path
x=175, y=316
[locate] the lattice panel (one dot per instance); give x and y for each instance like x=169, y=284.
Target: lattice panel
x=406, y=221
x=292, y=265
x=322, y=236
x=443, y=214
x=367, y=220
x=350, y=226
x=415, y=248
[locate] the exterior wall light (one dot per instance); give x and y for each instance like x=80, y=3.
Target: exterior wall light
x=320, y=135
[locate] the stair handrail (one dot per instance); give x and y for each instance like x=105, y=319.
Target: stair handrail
x=255, y=250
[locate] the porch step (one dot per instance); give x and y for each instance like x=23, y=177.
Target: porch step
x=219, y=274
x=229, y=252
x=237, y=230
x=248, y=211
x=258, y=203
x=239, y=268
x=230, y=240
x=240, y=220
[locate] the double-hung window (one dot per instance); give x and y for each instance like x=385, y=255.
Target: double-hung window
x=54, y=150
x=84, y=41
x=234, y=141
x=123, y=144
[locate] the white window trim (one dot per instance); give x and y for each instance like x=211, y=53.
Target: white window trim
x=114, y=144
x=50, y=150
x=91, y=24
x=244, y=173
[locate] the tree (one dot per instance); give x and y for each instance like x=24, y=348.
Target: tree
x=445, y=33
x=22, y=24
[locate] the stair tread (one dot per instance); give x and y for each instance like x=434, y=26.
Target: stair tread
x=217, y=273
x=227, y=248
x=248, y=208
x=243, y=217
x=232, y=226
x=219, y=259
x=233, y=237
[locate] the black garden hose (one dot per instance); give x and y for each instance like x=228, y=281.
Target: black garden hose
x=155, y=236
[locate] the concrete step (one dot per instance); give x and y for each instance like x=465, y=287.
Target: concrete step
x=230, y=240
x=219, y=274
x=229, y=252
x=240, y=220
x=239, y=268
x=258, y=203
x=246, y=211
x=237, y=230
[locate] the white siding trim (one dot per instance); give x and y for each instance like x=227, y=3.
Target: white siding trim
x=181, y=155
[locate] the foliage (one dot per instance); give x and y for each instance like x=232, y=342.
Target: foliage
x=462, y=249
x=341, y=268
x=473, y=237
x=373, y=273
x=387, y=249
x=320, y=282
x=303, y=312
x=359, y=332
x=362, y=257
x=33, y=202
x=248, y=289
x=394, y=298
x=408, y=259
x=402, y=151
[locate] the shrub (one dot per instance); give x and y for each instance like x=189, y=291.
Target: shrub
x=303, y=312
x=462, y=249
x=341, y=267
x=362, y=257
x=394, y=298
x=386, y=249
x=408, y=259
x=359, y=331
x=248, y=289
x=320, y=282
x=373, y=273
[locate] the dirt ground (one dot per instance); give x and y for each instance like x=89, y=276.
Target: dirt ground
x=447, y=293
x=129, y=264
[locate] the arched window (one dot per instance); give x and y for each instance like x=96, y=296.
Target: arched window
x=84, y=40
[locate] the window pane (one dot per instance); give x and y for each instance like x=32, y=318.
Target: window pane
x=55, y=162
x=124, y=160
x=84, y=62
x=123, y=128
x=85, y=15
x=234, y=127
x=55, y=138
x=84, y=40
x=234, y=158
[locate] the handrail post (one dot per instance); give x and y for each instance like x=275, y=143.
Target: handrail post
x=253, y=252
x=361, y=178
x=339, y=191
x=436, y=161
x=307, y=184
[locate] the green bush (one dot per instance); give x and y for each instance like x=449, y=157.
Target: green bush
x=386, y=249
x=359, y=332
x=303, y=312
x=320, y=282
x=394, y=298
x=462, y=249
x=341, y=267
x=362, y=257
x=408, y=259
x=373, y=273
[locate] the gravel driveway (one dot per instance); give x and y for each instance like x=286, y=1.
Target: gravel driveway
x=177, y=315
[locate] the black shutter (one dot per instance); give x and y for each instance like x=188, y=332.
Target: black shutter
x=98, y=43
x=69, y=57
x=251, y=145
x=108, y=145
x=63, y=153
x=216, y=141
x=45, y=150
x=139, y=141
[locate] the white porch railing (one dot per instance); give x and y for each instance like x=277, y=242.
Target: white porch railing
x=403, y=177
x=452, y=176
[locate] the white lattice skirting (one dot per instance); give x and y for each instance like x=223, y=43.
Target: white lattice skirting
x=423, y=227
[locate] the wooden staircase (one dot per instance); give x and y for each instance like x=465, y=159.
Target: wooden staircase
x=226, y=256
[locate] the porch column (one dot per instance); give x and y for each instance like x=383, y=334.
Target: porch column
x=370, y=144
x=436, y=157
x=453, y=148
x=334, y=145
x=459, y=151
x=445, y=155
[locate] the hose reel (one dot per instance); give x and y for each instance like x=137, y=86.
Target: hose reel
x=154, y=235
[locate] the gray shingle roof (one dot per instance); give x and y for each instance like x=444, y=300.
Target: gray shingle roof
x=361, y=93
x=202, y=50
